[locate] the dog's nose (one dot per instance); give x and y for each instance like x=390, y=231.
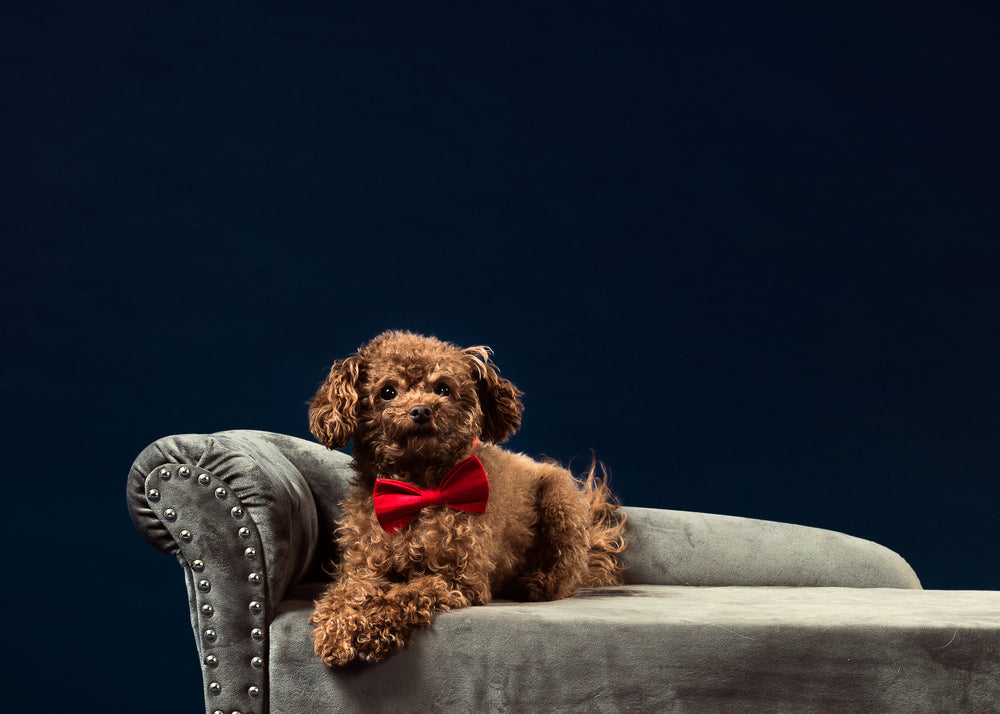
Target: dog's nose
x=420, y=413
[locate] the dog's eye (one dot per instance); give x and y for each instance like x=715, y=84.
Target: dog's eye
x=388, y=393
x=442, y=389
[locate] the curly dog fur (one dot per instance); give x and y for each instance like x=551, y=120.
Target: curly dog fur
x=544, y=533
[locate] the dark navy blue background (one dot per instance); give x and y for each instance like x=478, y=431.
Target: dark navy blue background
x=747, y=254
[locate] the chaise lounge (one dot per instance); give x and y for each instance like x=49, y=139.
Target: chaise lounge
x=717, y=613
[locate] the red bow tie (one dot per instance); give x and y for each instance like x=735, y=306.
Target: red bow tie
x=464, y=488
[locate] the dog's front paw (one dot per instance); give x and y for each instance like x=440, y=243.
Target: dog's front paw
x=380, y=638
x=333, y=641
x=351, y=635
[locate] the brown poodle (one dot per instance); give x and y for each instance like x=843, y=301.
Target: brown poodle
x=416, y=409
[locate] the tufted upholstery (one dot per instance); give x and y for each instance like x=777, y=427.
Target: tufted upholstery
x=786, y=618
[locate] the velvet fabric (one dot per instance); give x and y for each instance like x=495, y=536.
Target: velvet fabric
x=718, y=613
x=660, y=648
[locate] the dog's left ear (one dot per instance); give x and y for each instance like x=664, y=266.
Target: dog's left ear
x=498, y=397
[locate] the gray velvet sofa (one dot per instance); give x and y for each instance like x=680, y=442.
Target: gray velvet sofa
x=716, y=614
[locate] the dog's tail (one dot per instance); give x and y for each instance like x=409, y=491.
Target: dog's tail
x=607, y=533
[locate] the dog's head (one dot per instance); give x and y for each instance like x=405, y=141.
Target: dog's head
x=406, y=398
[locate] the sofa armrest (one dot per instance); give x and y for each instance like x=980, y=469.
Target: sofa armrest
x=682, y=548
x=237, y=510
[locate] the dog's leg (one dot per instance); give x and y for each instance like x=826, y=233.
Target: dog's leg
x=391, y=618
x=369, y=618
x=557, y=567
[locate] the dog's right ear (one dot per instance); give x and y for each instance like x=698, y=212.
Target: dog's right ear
x=333, y=412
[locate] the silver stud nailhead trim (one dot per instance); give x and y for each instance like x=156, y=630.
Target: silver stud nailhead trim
x=175, y=518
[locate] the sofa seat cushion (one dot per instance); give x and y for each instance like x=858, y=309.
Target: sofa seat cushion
x=668, y=648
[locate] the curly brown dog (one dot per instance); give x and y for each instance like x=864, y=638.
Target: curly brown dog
x=416, y=409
